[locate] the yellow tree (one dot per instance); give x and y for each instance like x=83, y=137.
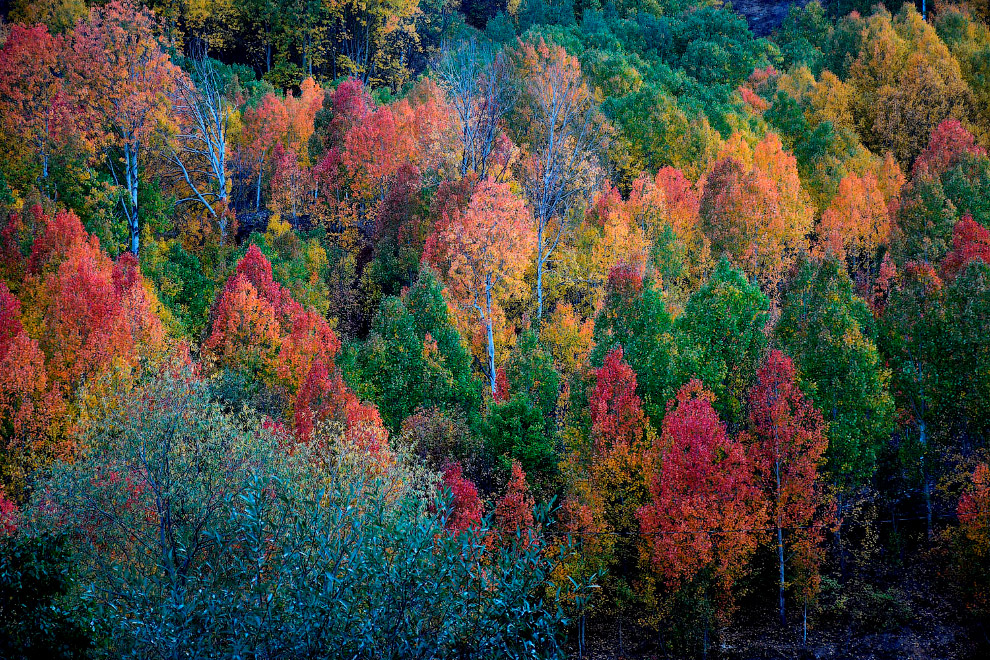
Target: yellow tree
x=558, y=128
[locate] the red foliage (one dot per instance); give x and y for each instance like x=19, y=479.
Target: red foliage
x=970, y=240
x=323, y=396
x=514, y=510
x=950, y=141
x=702, y=511
x=92, y=311
x=789, y=443
x=8, y=516
x=501, y=385
x=616, y=410
x=10, y=318
x=625, y=281
x=466, y=509
x=245, y=334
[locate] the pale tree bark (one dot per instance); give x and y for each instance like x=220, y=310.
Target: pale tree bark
x=565, y=138
x=199, y=150
x=479, y=86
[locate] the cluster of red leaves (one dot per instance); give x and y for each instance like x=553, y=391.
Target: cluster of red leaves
x=704, y=509
x=467, y=508
x=970, y=241
x=258, y=326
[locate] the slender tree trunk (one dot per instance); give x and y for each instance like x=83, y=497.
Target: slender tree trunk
x=131, y=183
x=780, y=552
x=539, y=274
x=491, y=336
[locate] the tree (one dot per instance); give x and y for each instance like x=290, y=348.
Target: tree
x=702, y=519
x=616, y=485
x=829, y=332
x=94, y=314
x=126, y=79
x=906, y=82
x=753, y=208
x=466, y=509
x=483, y=252
x=264, y=126
x=972, y=540
x=721, y=336
x=480, y=91
x=514, y=510
x=199, y=149
x=970, y=241
x=788, y=447
x=857, y=224
x=635, y=317
x=35, y=100
x=912, y=339
x=559, y=133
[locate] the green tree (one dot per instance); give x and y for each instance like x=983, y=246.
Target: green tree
x=721, y=337
x=829, y=331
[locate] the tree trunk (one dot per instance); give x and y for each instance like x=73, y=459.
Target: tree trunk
x=780, y=552
x=491, y=336
x=539, y=275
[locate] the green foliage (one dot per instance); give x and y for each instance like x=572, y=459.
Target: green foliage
x=517, y=430
x=829, y=332
x=414, y=357
x=721, y=337
x=179, y=279
x=218, y=533
x=642, y=326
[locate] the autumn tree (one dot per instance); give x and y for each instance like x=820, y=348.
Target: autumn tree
x=635, y=317
x=619, y=436
x=263, y=126
x=514, y=510
x=35, y=98
x=857, y=224
x=906, y=82
x=558, y=133
x=970, y=240
x=483, y=252
x=126, y=78
x=702, y=519
x=972, y=540
x=466, y=506
x=788, y=443
x=753, y=208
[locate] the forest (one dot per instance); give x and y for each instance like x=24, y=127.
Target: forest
x=480, y=329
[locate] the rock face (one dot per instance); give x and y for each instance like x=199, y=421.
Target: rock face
x=765, y=16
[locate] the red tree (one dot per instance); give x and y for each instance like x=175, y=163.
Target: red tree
x=514, y=510
x=466, y=509
x=970, y=240
x=703, y=510
x=788, y=446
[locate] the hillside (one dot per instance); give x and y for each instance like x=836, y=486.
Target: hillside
x=477, y=330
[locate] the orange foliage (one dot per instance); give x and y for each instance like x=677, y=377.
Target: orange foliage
x=753, y=208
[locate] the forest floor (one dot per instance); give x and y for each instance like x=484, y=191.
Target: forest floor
x=931, y=630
